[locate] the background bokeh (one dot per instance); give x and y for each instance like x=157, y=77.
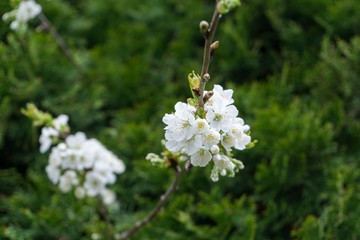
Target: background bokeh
x=295, y=70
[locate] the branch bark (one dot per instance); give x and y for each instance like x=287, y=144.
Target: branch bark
x=163, y=200
x=209, y=36
x=61, y=43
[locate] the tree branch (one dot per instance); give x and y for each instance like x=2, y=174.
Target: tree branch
x=61, y=43
x=163, y=200
x=208, y=53
x=209, y=36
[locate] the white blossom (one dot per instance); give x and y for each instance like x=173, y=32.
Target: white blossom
x=211, y=138
x=208, y=135
x=227, y=141
x=201, y=126
x=220, y=115
x=201, y=158
x=224, y=163
x=80, y=162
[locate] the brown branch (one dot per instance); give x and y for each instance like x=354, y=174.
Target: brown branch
x=209, y=36
x=61, y=43
x=103, y=213
x=208, y=53
x=163, y=200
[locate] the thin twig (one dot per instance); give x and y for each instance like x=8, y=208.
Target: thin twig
x=61, y=43
x=103, y=213
x=163, y=199
x=209, y=36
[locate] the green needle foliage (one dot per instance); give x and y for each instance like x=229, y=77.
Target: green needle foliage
x=294, y=68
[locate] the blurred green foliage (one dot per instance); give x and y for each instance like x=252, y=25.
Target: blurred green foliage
x=294, y=66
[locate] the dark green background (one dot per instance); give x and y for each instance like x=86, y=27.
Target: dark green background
x=295, y=69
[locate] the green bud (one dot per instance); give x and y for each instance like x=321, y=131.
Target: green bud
x=194, y=82
x=214, y=174
x=204, y=26
x=224, y=6
x=38, y=117
x=15, y=3
x=191, y=102
x=215, y=45
x=238, y=164
x=251, y=144
x=230, y=173
x=200, y=112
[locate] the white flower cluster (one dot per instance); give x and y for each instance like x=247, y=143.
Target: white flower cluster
x=210, y=136
x=78, y=163
x=26, y=11
x=86, y=165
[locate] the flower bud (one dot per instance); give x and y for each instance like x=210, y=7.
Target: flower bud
x=215, y=45
x=217, y=157
x=207, y=95
x=80, y=193
x=183, y=151
x=206, y=77
x=215, y=149
x=204, y=26
x=214, y=174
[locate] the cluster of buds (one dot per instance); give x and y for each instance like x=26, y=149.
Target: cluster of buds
x=26, y=11
x=205, y=135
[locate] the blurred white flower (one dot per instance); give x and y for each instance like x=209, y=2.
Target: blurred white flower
x=81, y=162
x=75, y=141
x=108, y=196
x=15, y=25
x=47, y=133
x=27, y=10
x=80, y=193
x=53, y=173
x=68, y=180
x=94, y=183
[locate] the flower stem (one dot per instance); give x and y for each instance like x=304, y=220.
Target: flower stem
x=209, y=36
x=163, y=200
